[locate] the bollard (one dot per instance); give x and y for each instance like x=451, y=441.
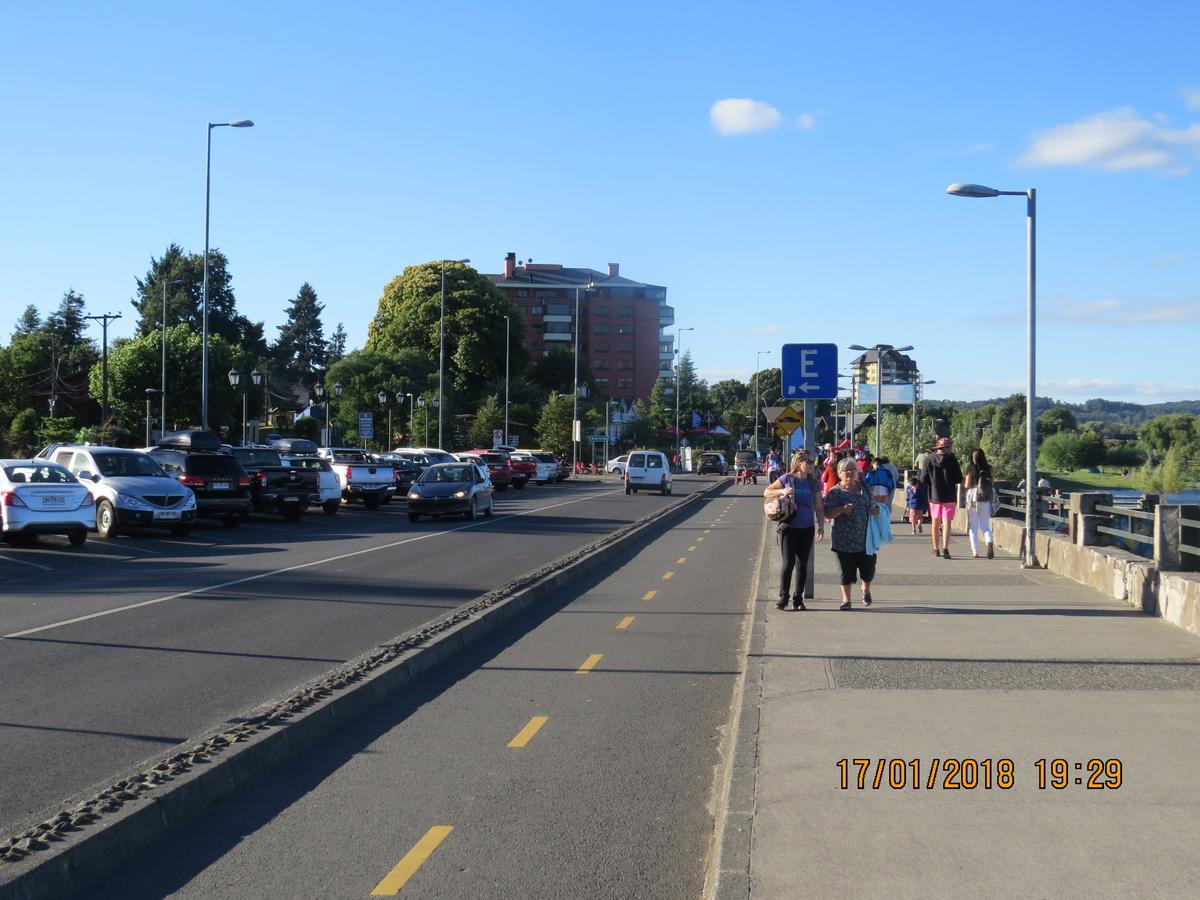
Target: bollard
x=1166, y=537
x=1082, y=517
x=1189, y=535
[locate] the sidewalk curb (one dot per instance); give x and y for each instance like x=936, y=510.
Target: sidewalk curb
x=729, y=878
x=116, y=824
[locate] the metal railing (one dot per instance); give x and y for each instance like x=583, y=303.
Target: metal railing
x=1138, y=538
x=1190, y=549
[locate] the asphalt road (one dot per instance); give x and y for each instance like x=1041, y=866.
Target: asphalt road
x=114, y=652
x=608, y=795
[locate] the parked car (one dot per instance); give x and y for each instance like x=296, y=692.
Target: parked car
x=547, y=465
x=329, y=489
x=712, y=463
x=617, y=465
x=195, y=459
x=747, y=460
x=450, y=489
x=274, y=486
x=648, y=470
x=524, y=468
x=41, y=497
x=436, y=455
x=129, y=488
x=361, y=475
x=499, y=469
x=406, y=471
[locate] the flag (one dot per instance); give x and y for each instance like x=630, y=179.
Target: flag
x=695, y=420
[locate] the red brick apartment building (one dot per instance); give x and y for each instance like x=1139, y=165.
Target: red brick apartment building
x=622, y=342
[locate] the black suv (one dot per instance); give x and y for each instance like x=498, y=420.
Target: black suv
x=221, y=485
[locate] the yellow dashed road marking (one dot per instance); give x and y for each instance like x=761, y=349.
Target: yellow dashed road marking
x=525, y=735
x=681, y=561
x=407, y=867
x=699, y=539
x=692, y=549
x=625, y=623
x=589, y=664
x=650, y=595
x=667, y=576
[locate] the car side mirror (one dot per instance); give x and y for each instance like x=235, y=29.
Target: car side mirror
x=85, y=475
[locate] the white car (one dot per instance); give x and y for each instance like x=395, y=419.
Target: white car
x=648, y=470
x=329, y=495
x=617, y=465
x=129, y=488
x=41, y=497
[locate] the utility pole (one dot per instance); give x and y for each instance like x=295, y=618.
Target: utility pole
x=104, y=319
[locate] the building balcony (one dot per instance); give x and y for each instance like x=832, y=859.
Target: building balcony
x=557, y=318
x=558, y=336
x=666, y=315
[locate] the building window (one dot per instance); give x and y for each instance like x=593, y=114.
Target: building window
x=600, y=346
x=546, y=295
x=557, y=327
x=522, y=293
x=600, y=310
x=625, y=364
x=558, y=309
x=625, y=312
x=625, y=347
x=600, y=382
x=535, y=348
x=535, y=310
x=601, y=364
x=625, y=329
x=624, y=382
x=639, y=293
x=600, y=329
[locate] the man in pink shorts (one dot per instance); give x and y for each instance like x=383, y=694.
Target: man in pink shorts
x=941, y=477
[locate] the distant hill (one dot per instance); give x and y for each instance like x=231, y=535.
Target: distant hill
x=1114, y=412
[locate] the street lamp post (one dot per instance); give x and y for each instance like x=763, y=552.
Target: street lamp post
x=442, y=346
x=411, y=420
x=385, y=399
x=575, y=385
x=235, y=378
x=757, y=385
x=880, y=350
x=256, y=379
x=162, y=400
x=507, y=347
x=916, y=391
x=239, y=123
x=679, y=390
x=962, y=189
x=319, y=392
x=150, y=392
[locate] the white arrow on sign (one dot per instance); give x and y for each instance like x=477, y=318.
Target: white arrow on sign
x=805, y=388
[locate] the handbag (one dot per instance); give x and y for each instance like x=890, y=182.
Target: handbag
x=780, y=509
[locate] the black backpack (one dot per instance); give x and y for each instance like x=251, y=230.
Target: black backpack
x=983, y=490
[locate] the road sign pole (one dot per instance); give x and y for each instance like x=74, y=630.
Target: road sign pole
x=810, y=445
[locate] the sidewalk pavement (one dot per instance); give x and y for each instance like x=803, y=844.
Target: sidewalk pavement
x=962, y=659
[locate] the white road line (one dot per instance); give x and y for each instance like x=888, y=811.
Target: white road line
x=22, y=562
x=308, y=565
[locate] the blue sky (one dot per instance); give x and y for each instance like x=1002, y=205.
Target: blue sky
x=813, y=209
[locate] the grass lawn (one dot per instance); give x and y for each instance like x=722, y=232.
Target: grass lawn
x=1083, y=480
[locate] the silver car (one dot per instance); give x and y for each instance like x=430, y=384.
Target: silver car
x=41, y=497
x=445, y=489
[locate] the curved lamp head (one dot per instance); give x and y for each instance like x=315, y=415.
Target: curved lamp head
x=903, y=349
x=256, y=377
x=967, y=189
x=235, y=377
x=337, y=390
x=241, y=123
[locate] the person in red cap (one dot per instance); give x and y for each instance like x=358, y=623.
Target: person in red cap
x=941, y=477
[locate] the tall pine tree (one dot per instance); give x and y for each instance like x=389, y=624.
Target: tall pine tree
x=337, y=345
x=300, y=349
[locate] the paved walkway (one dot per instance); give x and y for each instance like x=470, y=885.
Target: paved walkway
x=963, y=659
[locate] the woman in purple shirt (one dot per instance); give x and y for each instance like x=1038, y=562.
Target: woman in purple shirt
x=796, y=536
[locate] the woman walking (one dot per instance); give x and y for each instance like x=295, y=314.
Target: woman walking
x=850, y=508
x=980, y=494
x=796, y=535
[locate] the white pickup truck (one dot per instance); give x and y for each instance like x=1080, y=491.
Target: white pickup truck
x=361, y=476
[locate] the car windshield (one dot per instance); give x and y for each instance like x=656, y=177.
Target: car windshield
x=435, y=456
x=256, y=457
x=307, y=462
x=352, y=456
x=116, y=465
x=446, y=474
x=47, y=474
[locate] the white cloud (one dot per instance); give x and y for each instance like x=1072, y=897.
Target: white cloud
x=981, y=147
x=1116, y=141
x=806, y=121
x=767, y=329
x=1191, y=97
x=1121, y=312
x=1065, y=389
x=739, y=116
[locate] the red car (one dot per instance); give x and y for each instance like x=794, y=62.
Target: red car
x=524, y=469
x=499, y=468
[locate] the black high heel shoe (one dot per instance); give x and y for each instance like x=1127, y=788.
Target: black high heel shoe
x=798, y=604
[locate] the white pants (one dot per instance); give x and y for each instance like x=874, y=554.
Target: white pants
x=979, y=518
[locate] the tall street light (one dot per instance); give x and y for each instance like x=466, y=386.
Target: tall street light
x=757, y=385
x=679, y=390
x=162, y=400
x=385, y=400
x=442, y=345
x=256, y=379
x=916, y=391
x=880, y=351
x=411, y=421
x=964, y=189
x=235, y=378
x=150, y=392
x=506, y=349
x=239, y=123
x=575, y=384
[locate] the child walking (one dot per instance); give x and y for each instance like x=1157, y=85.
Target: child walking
x=918, y=505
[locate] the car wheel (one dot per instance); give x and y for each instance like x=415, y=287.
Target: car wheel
x=519, y=484
x=414, y=517
x=77, y=538
x=293, y=515
x=491, y=508
x=331, y=507
x=473, y=512
x=231, y=521
x=371, y=502
x=663, y=491
x=628, y=490
x=502, y=487
x=181, y=531
x=106, y=520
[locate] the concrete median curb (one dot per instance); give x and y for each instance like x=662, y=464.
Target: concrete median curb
x=64, y=853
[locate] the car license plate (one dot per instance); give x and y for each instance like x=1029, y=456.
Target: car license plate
x=53, y=500
x=291, y=499
x=220, y=485
x=166, y=515
x=635, y=477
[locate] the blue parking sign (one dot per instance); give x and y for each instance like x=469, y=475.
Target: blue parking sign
x=809, y=371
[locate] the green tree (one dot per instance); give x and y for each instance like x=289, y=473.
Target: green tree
x=300, y=349
x=661, y=414
x=1054, y=421
x=337, y=345
x=409, y=313
x=22, y=436
x=1060, y=452
x=61, y=429
x=554, y=372
x=1091, y=449
x=1180, y=430
x=489, y=416
x=1174, y=471
x=29, y=322
x=640, y=431
x=554, y=425
x=363, y=373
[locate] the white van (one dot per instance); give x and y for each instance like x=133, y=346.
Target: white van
x=647, y=470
